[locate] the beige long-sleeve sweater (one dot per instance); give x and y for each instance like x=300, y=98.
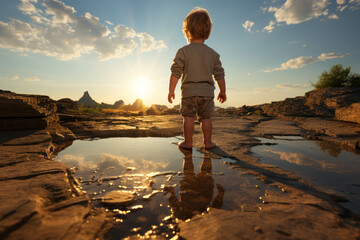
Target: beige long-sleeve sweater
x=198, y=65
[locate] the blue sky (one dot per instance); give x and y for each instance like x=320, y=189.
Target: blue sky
x=124, y=49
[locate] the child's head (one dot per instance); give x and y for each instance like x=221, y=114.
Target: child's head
x=197, y=24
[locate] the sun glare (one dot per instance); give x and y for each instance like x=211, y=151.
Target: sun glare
x=141, y=87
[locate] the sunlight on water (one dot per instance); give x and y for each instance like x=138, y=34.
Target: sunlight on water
x=324, y=164
x=159, y=182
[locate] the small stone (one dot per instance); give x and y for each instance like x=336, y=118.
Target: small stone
x=118, y=198
x=258, y=229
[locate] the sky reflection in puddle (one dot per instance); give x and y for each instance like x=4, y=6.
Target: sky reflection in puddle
x=324, y=164
x=168, y=184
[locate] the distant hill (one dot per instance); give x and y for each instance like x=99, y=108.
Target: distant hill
x=87, y=101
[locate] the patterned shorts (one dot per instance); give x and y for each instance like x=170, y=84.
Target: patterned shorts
x=203, y=107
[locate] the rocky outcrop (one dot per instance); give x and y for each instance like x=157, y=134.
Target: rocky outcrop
x=66, y=105
x=23, y=112
x=338, y=103
x=39, y=197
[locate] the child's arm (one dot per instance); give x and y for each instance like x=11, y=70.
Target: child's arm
x=222, y=94
x=172, y=86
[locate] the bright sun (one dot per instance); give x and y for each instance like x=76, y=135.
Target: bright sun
x=141, y=87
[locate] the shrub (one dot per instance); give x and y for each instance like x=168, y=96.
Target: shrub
x=88, y=109
x=338, y=77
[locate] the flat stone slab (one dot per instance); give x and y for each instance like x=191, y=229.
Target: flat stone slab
x=118, y=198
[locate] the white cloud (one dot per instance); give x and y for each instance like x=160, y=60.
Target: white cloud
x=269, y=9
x=269, y=28
x=247, y=25
x=354, y=1
x=333, y=16
x=14, y=78
x=32, y=79
x=272, y=9
x=295, y=11
x=352, y=4
x=342, y=8
x=302, y=61
x=147, y=43
x=327, y=56
x=58, y=32
x=108, y=22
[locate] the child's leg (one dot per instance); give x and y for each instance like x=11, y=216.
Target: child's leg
x=206, y=126
x=188, y=128
x=206, y=166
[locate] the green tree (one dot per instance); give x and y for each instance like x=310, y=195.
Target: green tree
x=338, y=77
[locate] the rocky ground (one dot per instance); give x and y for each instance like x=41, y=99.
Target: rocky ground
x=40, y=199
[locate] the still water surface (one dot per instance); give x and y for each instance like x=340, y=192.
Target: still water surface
x=168, y=183
x=324, y=164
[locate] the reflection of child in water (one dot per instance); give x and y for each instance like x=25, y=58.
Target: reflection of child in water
x=196, y=190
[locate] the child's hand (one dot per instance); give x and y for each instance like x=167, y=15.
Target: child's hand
x=221, y=97
x=171, y=96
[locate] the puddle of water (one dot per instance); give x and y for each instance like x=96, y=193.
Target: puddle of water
x=168, y=184
x=326, y=165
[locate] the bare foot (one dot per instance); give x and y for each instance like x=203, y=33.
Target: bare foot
x=184, y=145
x=210, y=146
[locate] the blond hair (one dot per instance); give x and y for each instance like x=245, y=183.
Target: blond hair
x=197, y=24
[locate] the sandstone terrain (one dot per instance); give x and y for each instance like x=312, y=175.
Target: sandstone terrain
x=42, y=200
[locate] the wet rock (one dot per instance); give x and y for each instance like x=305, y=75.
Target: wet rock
x=148, y=196
x=122, y=198
x=295, y=222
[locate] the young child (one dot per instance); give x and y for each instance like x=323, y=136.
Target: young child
x=197, y=64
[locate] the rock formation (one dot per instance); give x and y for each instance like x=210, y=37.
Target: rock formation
x=66, y=105
x=339, y=103
x=119, y=104
x=87, y=101
x=22, y=111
